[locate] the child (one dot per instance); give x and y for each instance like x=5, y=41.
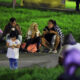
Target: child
x=13, y=45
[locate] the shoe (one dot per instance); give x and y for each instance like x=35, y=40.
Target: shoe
x=54, y=51
x=50, y=50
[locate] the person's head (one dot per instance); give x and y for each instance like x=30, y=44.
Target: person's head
x=13, y=34
x=51, y=23
x=69, y=40
x=13, y=22
x=34, y=26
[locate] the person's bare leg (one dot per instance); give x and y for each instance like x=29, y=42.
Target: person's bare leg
x=45, y=43
x=57, y=42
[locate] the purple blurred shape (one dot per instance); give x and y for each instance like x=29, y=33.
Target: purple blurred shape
x=71, y=60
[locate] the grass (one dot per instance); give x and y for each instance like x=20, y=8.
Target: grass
x=34, y=73
x=68, y=22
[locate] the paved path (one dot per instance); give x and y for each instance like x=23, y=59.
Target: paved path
x=27, y=60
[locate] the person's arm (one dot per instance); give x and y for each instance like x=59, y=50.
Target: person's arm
x=18, y=46
x=39, y=34
x=19, y=29
x=4, y=31
x=7, y=44
x=45, y=32
x=53, y=32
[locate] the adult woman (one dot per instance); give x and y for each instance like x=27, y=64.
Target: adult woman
x=33, y=36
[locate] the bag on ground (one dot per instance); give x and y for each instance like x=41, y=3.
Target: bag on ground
x=32, y=48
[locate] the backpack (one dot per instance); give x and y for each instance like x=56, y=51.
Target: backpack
x=32, y=48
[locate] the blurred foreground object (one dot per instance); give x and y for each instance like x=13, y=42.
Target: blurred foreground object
x=70, y=54
x=71, y=58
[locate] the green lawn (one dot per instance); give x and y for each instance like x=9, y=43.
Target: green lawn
x=34, y=73
x=68, y=22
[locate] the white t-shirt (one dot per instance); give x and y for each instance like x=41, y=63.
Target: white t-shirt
x=13, y=53
x=30, y=33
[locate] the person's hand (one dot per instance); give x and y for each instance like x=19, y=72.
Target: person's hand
x=46, y=31
x=53, y=32
x=13, y=46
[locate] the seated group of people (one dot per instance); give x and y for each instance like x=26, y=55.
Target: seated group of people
x=51, y=38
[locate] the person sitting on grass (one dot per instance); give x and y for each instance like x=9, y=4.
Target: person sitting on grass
x=7, y=29
x=13, y=45
x=33, y=36
x=52, y=33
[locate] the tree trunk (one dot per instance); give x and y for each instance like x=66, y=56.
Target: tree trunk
x=77, y=5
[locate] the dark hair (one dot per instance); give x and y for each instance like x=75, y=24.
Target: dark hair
x=69, y=39
x=13, y=34
x=52, y=21
x=12, y=19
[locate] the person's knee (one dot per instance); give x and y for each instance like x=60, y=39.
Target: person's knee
x=57, y=38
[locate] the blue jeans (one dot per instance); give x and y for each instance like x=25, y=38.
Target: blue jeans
x=13, y=63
